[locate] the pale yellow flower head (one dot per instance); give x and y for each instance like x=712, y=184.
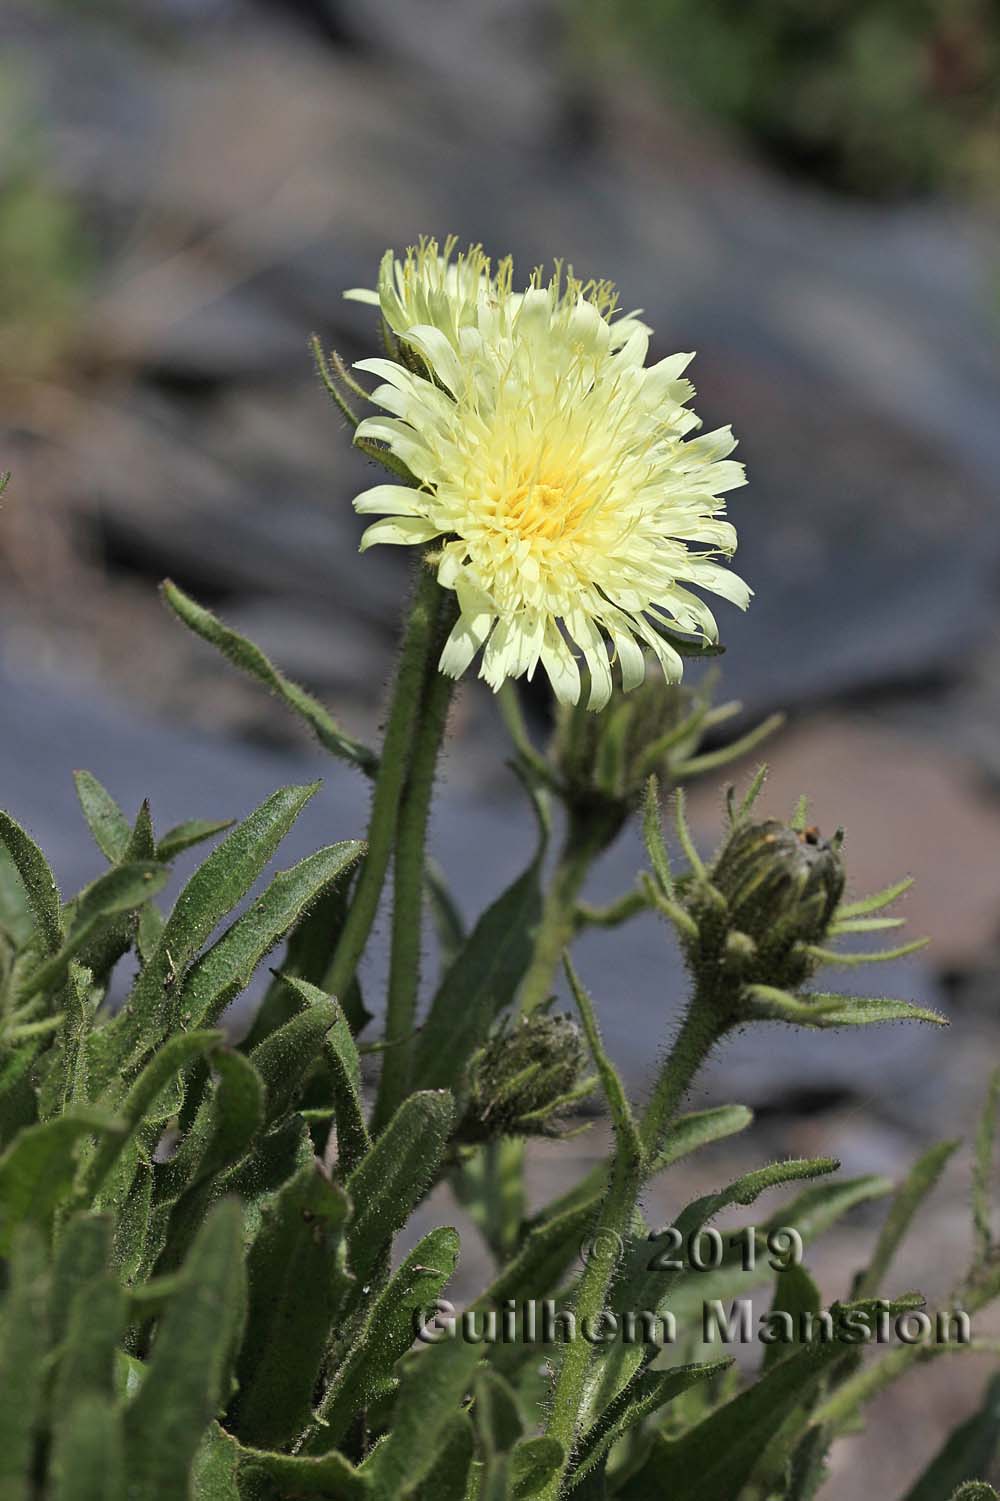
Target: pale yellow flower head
x=430, y=284
x=553, y=464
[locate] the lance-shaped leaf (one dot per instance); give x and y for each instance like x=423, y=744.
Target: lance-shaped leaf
x=393, y=1177
x=122, y=889
x=646, y=1393
x=307, y=957
x=451, y=1475
x=647, y=1278
x=184, y=836
x=812, y=1213
x=283, y=1059
x=480, y=983
x=908, y=1199
x=329, y=1476
x=251, y=660
x=189, y=1370
x=824, y=1010
x=88, y=1459
x=226, y=1126
x=39, y=882
x=715, y=1459
x=295, y=1279
x=982, y=1175
x=229, y=964
x=967, y=1452
x=385, y=1335
x=341, y=1056
x=686, y=1135
x=533, y=1463
x=23, y=1352
x=87, y=1359
x=82, y=1253
x=498, y=1423
x=141, y=1099
x=431, y=1390
x=105, y=819
x=38, y=1167
x=216, y=887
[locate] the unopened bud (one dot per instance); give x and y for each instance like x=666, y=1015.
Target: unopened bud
x=525, y=1079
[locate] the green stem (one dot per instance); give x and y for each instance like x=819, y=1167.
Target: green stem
x=699, y=1032
x=408, y=892
x=608, y=1238
x=393, y=767
x=584, y=842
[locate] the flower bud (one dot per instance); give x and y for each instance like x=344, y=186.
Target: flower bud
x=770, y=895
x=603, y=760
x=773, y=876
x=524, y=1079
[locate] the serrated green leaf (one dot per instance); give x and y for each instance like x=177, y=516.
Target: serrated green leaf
x=184, y=836
x=22, y=1361
x=967, y=1452
x=39, y=883
x=393, y=1177
x=976, y=1490
x=88, y=1461
x=38, y=1167
x=480, y=983
x=295, y=1280
x=230, y=963
x=105, y=819
x=189, y=1369
x=251, y=660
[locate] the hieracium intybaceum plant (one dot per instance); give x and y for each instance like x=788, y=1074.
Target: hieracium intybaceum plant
x=211, y=1285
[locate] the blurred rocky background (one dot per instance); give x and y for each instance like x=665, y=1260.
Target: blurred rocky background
x=806, y=194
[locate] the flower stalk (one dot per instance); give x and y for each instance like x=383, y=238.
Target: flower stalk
x=394, y=767
x=408, y=878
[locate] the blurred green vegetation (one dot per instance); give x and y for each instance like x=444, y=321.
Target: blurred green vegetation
x=878, y=98
x=45, y=259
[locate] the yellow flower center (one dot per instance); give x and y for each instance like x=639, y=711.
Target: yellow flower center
x=543, y=510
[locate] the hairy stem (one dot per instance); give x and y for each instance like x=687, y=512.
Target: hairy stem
x=408, y=890
x=393, y=768
x=608, y=1238
x=699, y=1032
